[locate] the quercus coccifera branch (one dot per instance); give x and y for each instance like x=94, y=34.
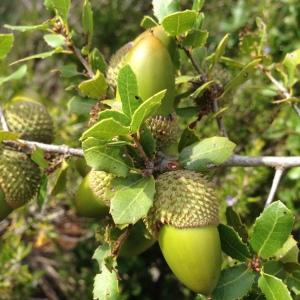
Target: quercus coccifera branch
x=275, y=184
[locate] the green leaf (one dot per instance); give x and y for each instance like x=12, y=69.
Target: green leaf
x=20, y=73
x=116, y=115
x=104, y=158
x=80, y=105
x=128, y=90
x=293, y=282
x=87, y=19
x=211, y=151
x=97, y=61
x=289, y=252
x=197, y=5
x=163, y=8
x=148, y=22
x=25, y=28
x=94, y=87
x=6, y=43
x=195, y=38
x=291, y=61
x=42, y=193
x=179, y=22
x=200, y=90
x=61, y=7
x=54, y=40
x=60, y=179
x=234, y=283
x=38, y=157
x=271, y=229
x=219, y=51
x=234, y=220
x=273, y=288
x=133, y=201
x=42, y=55
x=241, y=77
x=148, y=141
x=147, y=109
x=106, y=129
x=69, y=70
x=8, y=135
x=106, y=285
x=232, y=244
x=101, y=253
x=188, y=137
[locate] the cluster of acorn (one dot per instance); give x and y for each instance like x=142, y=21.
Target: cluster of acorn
x=184, y=216
x=20, y=177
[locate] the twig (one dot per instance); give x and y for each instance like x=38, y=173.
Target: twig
x=281, y=88
x=148, y=163
x=22, y=145
x=263, y=161
x=193, y=61
x=82, y=59
x=220, y=120
x=3, y=121
x=275, y=184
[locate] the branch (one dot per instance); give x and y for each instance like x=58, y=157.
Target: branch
x=263, y=161
x=220, y=120
x=276, y=180
x=22, y=146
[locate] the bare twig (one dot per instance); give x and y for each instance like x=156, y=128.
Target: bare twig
x=82, y=60
x=22, y=146
x=275, y=184
x=193, y=61
x=220, y=120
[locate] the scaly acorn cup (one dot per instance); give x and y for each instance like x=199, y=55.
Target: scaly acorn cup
x=93, y=199
x=20, y=179
x=165, y=130
x=184, y=217
x=30, y=119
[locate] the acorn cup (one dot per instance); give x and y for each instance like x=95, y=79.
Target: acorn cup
x=184, y=218
x=31, y=120
x=20, y=179
x=93, y=200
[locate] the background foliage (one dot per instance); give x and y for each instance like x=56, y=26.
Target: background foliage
x=45, y=253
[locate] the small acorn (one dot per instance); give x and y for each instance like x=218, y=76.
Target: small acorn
x=184, y=217
x=93, y=199
x=20, y=179
x=30, y=119
x=165, y=130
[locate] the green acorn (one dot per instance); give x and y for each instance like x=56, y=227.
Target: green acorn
x=31, y=120
x=184, y=217
x=93, y=199
x=165, y=130
x=20, y=179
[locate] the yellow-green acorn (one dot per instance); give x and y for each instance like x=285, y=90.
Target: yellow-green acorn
x=165, y=130
x=152, y=64
x=184, y=217
x=30, y=119
x=93, y=199
x=20, y=179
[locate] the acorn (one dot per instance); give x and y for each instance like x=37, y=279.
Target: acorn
x=184, y=218
x=31, y=120
x=93, y=199
x=20, y=179
x=165, y=130
x=150, y=60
